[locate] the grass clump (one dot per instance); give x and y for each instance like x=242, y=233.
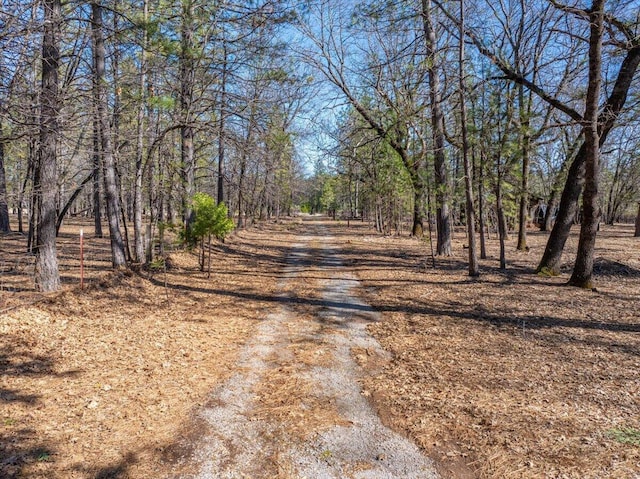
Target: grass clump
x=625, y=435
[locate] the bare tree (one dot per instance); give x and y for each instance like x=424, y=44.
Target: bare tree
x=118, y=258
x=552, y=256
x=583, y=268
x=628, y=42
x=387, y=98
x=443, y=245
x=47, y=277
x=5, y=227
x=139, y=168
x=468, y=171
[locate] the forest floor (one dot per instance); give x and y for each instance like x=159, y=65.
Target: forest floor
x=507, y=375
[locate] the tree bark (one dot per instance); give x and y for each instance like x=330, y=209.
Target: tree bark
x=47, y=277
x=612, y=204
x=97, y=177
x=137, y=187
x=118, y=257
x=481, y=208
x=5, y=227
x=36, y=202
x=187, y=78
x=637, y=231
x=417, y=229
x=221, y=140
x=443, y=245
x=550, y=262
x=468, y=171
x=502, y=223
x=583, y=269
x=525, y=145
x=28, y=176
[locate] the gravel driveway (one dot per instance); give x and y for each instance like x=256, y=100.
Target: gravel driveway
x=248, y=440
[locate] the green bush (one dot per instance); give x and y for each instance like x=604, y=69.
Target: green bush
x=210, y=220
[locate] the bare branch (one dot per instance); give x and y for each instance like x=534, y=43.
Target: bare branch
x=509, y=72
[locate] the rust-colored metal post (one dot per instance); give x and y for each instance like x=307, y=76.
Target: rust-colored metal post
x=81, y=259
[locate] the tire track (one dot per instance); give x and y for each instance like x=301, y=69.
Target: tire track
x=243, y=444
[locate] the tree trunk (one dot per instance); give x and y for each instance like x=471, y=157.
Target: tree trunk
x=31, y=158
x=28, y=176
x=123, y=215
x=137, y=187
x=36, y=202
x=443, y=246
x=550, y=262
x=209, y=258
x=525, y=145
x=612, y=205
x=481, y=209
x=583, y=269
x=187, y=78
x=468, y=171
x=47, y=277
x=502, y=224
x=155, y=189
x=97, y=177
x=637, y=231
x=118, y=258
x=223, y=100
x=417, y=229
x=71, y=200
x=5, y=227
x=241, y=206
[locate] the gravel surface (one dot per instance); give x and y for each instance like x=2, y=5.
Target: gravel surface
x=243, y=444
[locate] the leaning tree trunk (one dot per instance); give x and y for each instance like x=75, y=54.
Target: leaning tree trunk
x=71, y=200
x=118, y=258
x=47, y=277
x=583, y=268
x=550, y=262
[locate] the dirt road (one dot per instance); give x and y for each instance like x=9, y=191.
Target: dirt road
x=295, y=409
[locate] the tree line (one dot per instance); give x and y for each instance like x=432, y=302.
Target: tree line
x=124, y=110
x=530, y=106
x=448, y=112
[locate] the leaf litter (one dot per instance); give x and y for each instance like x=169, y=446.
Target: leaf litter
x=509, y=375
